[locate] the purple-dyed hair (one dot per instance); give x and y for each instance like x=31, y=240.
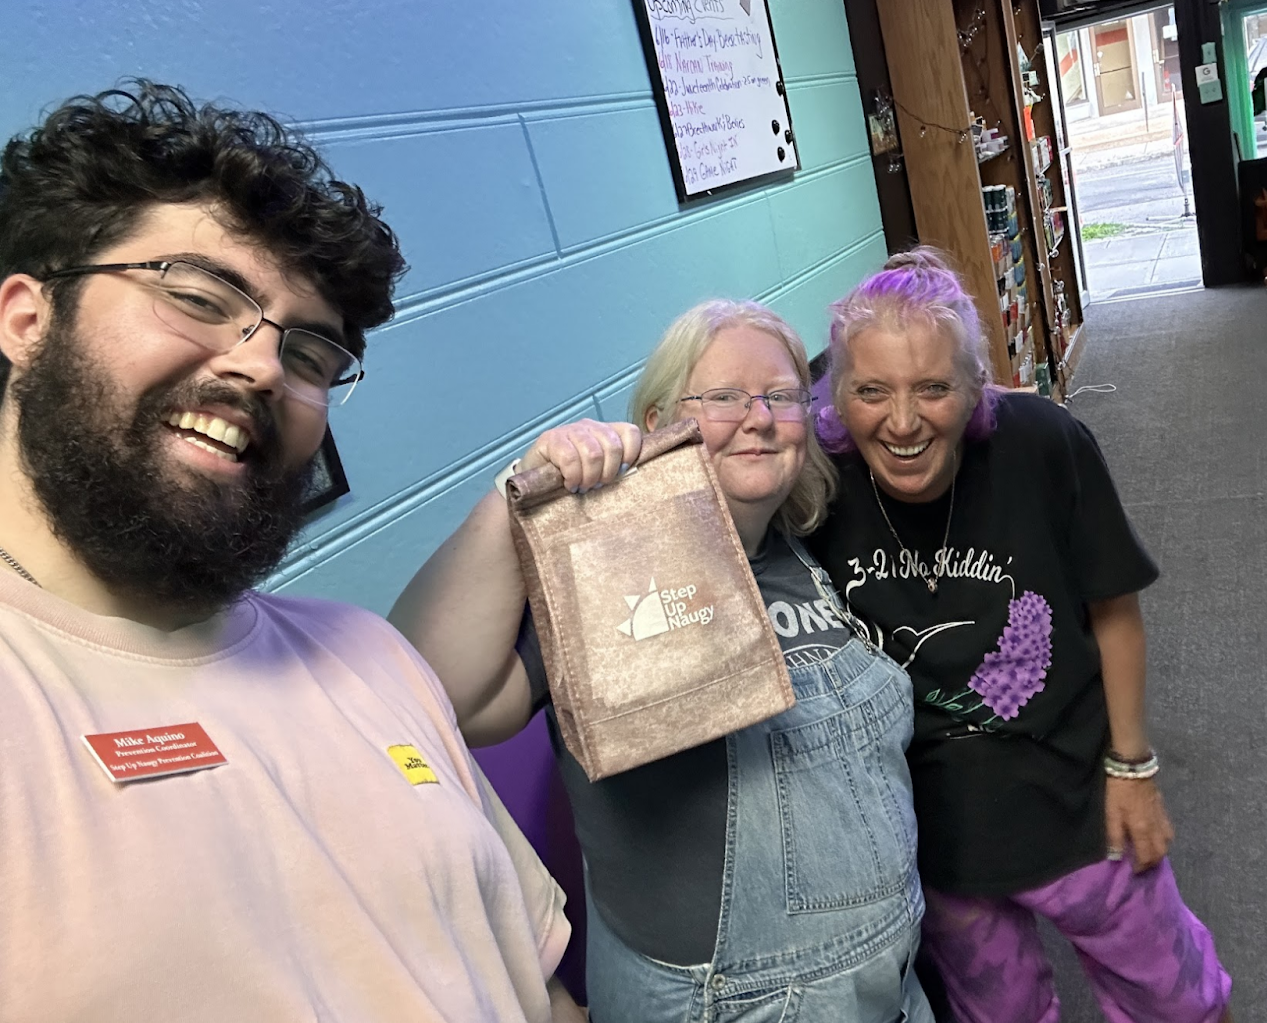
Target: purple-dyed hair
x=914, y=288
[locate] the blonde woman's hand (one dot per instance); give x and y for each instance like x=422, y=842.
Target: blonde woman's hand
x=588, y=453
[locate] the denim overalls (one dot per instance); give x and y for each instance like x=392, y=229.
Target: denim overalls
x=821, y=902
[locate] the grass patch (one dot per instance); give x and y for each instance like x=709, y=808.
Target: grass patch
x=1094, y=232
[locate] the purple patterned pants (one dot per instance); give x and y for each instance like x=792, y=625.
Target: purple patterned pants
x=1148, y=959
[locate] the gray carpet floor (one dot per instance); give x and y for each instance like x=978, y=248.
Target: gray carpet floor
x=1185, y=435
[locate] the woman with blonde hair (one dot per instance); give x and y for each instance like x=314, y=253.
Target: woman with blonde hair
x=769, y=874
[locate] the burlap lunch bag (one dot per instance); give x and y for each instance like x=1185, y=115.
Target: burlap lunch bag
x=653, y=632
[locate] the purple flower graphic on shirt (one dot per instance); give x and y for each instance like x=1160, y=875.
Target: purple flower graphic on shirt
x=1009, y=676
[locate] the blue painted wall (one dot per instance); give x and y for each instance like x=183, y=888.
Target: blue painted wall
x=517, y=149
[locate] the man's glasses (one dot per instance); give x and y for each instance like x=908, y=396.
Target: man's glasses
x=731, y=405
x=211, y=312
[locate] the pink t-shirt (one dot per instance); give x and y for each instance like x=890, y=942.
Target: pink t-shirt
x=307, y=879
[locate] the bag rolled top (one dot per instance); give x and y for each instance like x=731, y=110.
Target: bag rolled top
x=654, y=635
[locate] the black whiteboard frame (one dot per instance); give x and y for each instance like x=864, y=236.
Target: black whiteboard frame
x=666, y=119
x=327, y=482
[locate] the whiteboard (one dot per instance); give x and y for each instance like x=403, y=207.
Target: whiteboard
x=723, y=106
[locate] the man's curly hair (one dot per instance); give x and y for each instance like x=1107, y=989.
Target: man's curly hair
x=77, y=184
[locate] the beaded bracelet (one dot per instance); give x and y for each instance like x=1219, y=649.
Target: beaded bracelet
x=1116, y=767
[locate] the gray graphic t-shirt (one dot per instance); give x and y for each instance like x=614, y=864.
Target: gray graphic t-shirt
x=809, y=631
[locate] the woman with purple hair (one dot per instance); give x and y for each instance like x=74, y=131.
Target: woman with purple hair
x=978, y=535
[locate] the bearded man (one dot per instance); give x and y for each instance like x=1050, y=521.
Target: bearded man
x=216, y=804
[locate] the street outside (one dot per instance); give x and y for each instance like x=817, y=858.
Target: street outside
x=1136, y=239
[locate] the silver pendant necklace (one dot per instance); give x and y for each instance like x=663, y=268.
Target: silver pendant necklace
x=12, y=562
x=930, y=581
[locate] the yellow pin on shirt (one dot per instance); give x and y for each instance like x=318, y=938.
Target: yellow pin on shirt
x=412, y=765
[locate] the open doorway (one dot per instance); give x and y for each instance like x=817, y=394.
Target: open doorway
x=1128, y=143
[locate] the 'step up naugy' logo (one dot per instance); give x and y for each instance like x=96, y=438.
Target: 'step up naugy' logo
x=658, y=611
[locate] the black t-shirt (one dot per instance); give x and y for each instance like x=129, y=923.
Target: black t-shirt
x=1010, y=718
x=654, y=837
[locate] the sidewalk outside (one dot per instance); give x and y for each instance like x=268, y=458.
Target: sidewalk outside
x=1124, y=174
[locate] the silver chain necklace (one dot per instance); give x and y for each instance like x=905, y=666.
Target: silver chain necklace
x=12, y=562
x=930, y=581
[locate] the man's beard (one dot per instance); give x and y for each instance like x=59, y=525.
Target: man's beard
x=173, y=539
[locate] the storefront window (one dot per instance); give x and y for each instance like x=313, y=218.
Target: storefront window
x=1071, y=81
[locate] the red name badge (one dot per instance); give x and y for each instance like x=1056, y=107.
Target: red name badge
x=153, y=752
